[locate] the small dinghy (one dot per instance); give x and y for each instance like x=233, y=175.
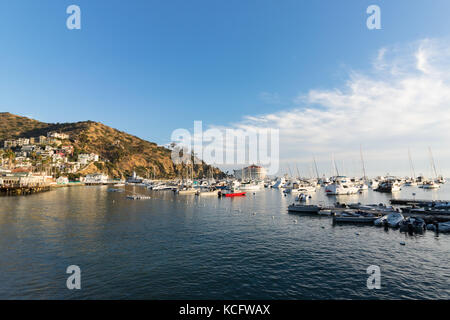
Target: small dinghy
x=412, y=225
x=392, y=220
x=355, y=217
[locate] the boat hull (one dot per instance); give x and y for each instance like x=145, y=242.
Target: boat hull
x=237, y=194
x=304, y=208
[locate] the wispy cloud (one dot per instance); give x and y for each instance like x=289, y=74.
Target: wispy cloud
x=403, y=100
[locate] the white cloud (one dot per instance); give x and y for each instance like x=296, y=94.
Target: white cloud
x=404, y=100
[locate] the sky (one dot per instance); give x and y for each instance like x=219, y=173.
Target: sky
x=312, y=69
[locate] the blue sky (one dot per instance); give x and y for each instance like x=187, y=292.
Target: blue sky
x=149, y=67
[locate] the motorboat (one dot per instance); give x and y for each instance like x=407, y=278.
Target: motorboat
x=363, y=187
x=430, y=185
x=389, y=186
x=251, y=186
x=355, y=217
x=279, y=183
x=410, y=183
x=341, y=186
x=440, y=180
x=207, y=192
x=304, y=208
x=373, y=184
x=375, y=207
x=392, y=220
x=411, y=224
x=305, y=188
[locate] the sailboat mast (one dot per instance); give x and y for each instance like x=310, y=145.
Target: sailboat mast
x=432, y=163
x=290, y=172
x=315, y=165
x=411, y=165
x=335, y=166
x=362, y=161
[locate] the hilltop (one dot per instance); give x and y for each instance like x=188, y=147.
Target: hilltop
x=122, y=153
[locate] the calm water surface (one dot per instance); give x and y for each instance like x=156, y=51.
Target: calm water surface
x=186, y=247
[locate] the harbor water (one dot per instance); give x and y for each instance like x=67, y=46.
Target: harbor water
x=190, y=247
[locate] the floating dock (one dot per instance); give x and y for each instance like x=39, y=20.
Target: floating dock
x=406, y=202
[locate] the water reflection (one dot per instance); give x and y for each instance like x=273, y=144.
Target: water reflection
x=181, y=247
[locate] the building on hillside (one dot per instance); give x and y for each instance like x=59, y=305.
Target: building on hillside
x=57, y=135
x=42, y=140
x=252, y=172
x=54, y=141
x=67, y=150
x=85, y=158
x=9, y=144
x=16, y=143
x=28, y=148
x=72, y=167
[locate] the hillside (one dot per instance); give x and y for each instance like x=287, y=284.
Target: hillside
x=12, y=126
x=123, y=152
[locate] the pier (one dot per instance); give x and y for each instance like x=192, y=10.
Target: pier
x=22, y=190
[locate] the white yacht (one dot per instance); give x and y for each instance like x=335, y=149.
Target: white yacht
x=440, y=179
x=389, y=185
x=341, y=186
x=304, y=188
x=373, y=184
x=251, y=186
x=363, y=187
x=430, y=185
x=410, y=183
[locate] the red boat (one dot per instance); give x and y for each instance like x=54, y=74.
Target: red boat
x=236, y=194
